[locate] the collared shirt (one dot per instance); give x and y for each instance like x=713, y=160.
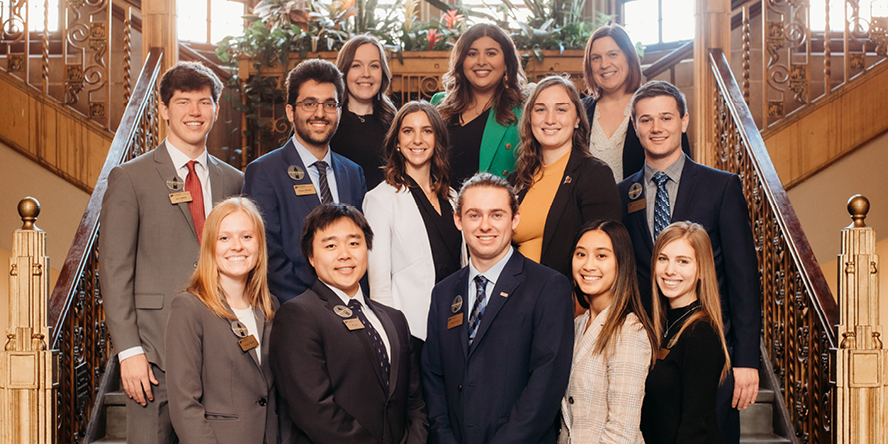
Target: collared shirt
x=492, y=275
x=374, y=320
x=180, y=161
x=308, y=159
x=650, y=188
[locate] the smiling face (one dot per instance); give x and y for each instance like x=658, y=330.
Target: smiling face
x=314, y=129
x=339, y=255
x=237, y=247
x=191, y=116
x=659, y=126
x=610, y=68
x=676, y=273
x=484, y=65
x=486, y=221
x=416, y=140
x=595, y=267
x=554, y=118
x=364, y=74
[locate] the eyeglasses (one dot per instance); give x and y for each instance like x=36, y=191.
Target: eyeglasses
x=310, y=105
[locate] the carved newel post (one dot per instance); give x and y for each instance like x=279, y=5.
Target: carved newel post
x=28, y=370
x=861, y=373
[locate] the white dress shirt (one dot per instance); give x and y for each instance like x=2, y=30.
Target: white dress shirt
x=374, y=321
x=492, y=275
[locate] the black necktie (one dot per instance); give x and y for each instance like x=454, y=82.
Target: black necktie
x=326, y=196
x=381, y=353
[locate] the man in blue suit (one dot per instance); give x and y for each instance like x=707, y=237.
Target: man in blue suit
x=500, y=332
x=290, y=181
x=670, y=187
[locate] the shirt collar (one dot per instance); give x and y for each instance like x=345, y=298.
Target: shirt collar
x=673, y=171
x=494, y=272
x=359, y=296
x=180, y=159
x=307, y=157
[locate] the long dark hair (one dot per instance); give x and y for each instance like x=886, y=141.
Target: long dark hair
x=383, y=108
x=626, y=296
x=396, y=168
x=508, y=94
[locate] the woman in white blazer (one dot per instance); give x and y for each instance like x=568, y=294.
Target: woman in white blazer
x=613, y=340
x=416, y=243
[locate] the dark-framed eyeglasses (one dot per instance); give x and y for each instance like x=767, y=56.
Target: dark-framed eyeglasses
x=310, y=105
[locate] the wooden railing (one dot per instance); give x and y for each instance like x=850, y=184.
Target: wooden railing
x=799, y=312
x=76, y=313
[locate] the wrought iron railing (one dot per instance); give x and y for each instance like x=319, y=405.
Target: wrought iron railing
x=76, y=313
x=799, y=312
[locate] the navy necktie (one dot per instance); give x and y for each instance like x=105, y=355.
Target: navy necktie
x=478, y=309
x=662, y=219
x=378, y=345
x=326, y=196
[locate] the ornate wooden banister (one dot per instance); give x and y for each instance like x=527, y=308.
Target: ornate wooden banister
x=669, y=60
x=799, y=312
x=76, y=315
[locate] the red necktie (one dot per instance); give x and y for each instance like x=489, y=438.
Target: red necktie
x=192, y=185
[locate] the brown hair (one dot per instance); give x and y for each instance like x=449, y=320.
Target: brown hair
x=383, y=108
x=320, y=71
x=616, y=32
x=530, y=153
x=396, y=168
x=658, y=88
x=205, y=281
x=490, y=181
x=189, y=77
x=707, y=283
x=509, y=93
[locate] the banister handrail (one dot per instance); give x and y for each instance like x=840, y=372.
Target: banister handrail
x=669, y=60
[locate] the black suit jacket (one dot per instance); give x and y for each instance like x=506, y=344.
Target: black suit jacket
x=633, y=152
x=507, y=387
x=587, y=192
x=329, y=379
x=713, y=199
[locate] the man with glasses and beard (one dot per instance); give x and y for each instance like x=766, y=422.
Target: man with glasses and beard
x=290, y=181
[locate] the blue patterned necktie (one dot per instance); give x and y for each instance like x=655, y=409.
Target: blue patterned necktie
x=662, y=219
x=381, y=353
x=478, y=309
x=326, y=196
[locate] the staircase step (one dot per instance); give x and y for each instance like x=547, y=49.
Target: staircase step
x=115, y=416
x=107, y=440
x=757, y=419
x=118, y=398
x=765, y=395
x=764, y=438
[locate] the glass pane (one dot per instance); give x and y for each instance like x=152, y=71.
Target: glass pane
x=35, y=15
x=192, y=25
x=641, y=21
x=678, y=20
x=226, y=19
x=836, y=15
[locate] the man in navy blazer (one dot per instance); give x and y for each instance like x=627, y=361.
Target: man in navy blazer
x=500, y=332
x=711, y=198
x=290, y=181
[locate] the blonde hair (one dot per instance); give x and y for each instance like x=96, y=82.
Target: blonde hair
x=204, y=282
x=707, y=284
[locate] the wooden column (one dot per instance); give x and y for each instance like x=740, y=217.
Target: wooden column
x=29, y=373
x=159, y=31
x=712, y=19
x=861, y=377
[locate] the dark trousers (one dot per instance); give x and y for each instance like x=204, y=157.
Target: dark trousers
x=728, y=417
x=151, y=424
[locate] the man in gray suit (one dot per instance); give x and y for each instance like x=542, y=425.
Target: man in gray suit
x=151, y=223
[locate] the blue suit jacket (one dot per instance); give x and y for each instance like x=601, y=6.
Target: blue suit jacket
x=266, y=181
x=506, y=387
x=713, y=199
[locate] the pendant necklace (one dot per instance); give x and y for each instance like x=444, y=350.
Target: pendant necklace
x=669, y=327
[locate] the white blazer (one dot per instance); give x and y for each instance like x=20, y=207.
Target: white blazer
x=400, y=265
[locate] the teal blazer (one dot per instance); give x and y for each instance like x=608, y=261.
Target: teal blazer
x=498, y=145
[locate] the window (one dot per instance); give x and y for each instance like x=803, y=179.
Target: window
x=35, y=15
x=659, y=21
x=225, y=18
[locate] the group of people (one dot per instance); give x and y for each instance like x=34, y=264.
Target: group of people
x=528, y=266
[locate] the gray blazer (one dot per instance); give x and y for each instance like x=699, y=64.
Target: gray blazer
x=149, y=247
x=217, y=392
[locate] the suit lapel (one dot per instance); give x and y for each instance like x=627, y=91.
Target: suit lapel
x=562, y=196
x=589, y=338
x=341, y=177
x=216, y=180
x=460, y=290
x=685, y=190
x=490, y=141
x=639, y=218
x=394, y=343
x=264, y=326
x=291, y=157
x=167, y=171
x=504, y=288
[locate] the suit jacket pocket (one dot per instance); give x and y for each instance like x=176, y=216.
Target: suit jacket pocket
x=149, y=301
x=220, y=416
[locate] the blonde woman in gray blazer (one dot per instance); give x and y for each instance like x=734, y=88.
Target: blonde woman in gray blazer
x=613, y=341
x=220, y=382
x=416, y=242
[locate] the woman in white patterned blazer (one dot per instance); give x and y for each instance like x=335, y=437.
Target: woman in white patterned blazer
x=613, y=341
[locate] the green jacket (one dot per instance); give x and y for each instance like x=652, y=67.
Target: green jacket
x=498, y=145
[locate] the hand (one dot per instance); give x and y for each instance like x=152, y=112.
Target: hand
x=746, y=387
x=137, y=377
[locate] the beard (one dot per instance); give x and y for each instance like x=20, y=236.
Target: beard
x=308, y=134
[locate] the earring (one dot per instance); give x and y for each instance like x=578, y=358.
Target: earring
x=577, y=126
x=506, y=80
x=398, y=148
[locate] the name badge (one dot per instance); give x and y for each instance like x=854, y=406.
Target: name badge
x=638, y=205
x=454, y=321
x=304, y=190
x=248, y=343
x=180, y=197
x=353, y=324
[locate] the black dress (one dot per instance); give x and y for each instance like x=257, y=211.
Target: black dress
x=465, y=151
x=444, y=239
x=680, y=391
x=359, y=139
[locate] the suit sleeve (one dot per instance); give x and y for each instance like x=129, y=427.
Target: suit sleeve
x=741, y=274
x=550, y=359
x=417, y=420
x=627, y=368
x=379, y=265
x=117, y=269
x=599, y=198
x=298, y=363
x=184, y=351
x=701, y=366
x=440, y=429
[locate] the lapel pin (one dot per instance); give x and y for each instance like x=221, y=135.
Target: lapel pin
x=635, y=191
x=504, y=294
x=567, y=179
x=457, y=304
x=342, y=311
x=295, y=172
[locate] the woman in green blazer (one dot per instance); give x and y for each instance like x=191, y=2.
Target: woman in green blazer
x=481, y=103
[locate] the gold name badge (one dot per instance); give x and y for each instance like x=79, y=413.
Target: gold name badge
x=248, y=343
x=454, y=321
x=180, y=197
x=353, y=324
x=636, y=206
x=304, y=190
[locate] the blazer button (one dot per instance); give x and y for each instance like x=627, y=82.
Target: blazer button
x=505, y=173
x=508, y=146
x=570, y=399
x=262, y=402
x=195, y=265
x=459, y=388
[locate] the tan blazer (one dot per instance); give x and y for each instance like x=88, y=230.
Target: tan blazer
x=604, y=396
x=149, y=247
x=217, y=392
